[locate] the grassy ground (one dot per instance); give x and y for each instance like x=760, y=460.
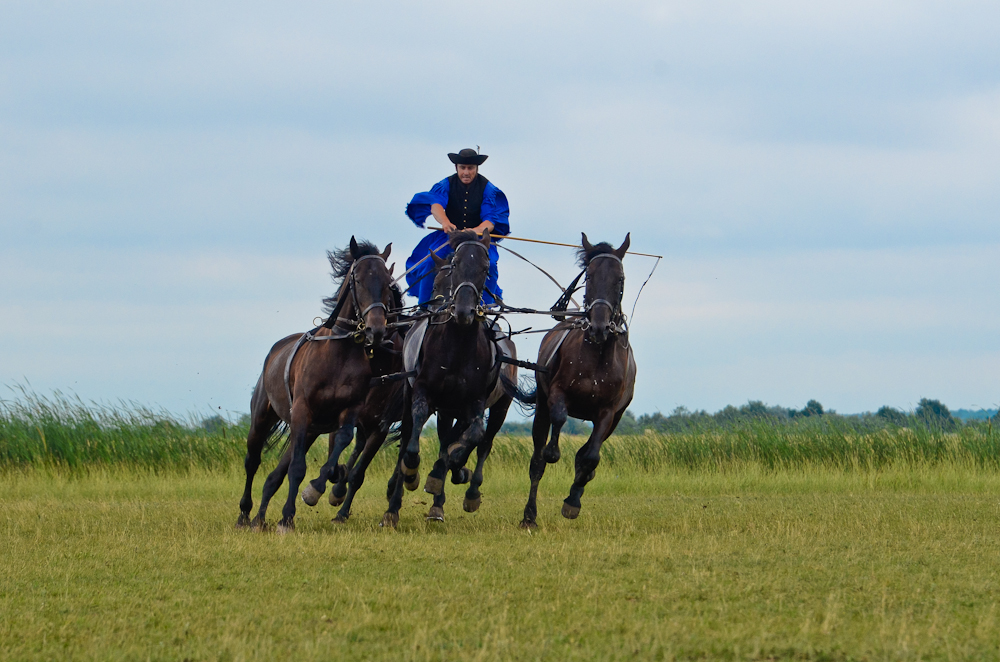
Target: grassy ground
x=739, y=562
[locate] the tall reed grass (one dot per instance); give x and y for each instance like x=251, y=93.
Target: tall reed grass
x=59, y=431
x=62, y=432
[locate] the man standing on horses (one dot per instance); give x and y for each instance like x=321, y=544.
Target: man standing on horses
x=463, y=201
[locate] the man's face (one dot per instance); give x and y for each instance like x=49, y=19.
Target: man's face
x=466, y=173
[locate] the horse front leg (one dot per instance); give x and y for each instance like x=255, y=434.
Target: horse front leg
x=558, y=416
x=435, y=479
x=587, y=459
x=345, y=435
x=460, y=450
x=536, y=468
x=408, y=467
x=339, y=491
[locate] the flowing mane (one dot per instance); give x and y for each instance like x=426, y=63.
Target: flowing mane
x=340, y=265
x=583, y=256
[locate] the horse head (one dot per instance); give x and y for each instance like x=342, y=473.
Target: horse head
x=470, y=266
x=605, y=286
x=372, y=285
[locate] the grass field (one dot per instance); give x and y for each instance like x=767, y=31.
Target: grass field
x=739, y=562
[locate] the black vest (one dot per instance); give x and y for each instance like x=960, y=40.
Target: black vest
x=465, y=203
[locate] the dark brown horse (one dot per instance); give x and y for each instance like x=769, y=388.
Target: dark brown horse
x=382, y=407
x=591, y=375
x=317, y=382
x=455, y=356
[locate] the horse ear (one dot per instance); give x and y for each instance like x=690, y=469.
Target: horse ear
x=388, y=249
x=391, y=268
x=354, y=248
x=587, y=246
x=486, y=238
x=624, y=247
x=439, y=261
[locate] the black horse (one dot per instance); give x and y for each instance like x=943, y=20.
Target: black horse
x=590, y=375
x=318, y=381
x=456, y=358
x=449, y=433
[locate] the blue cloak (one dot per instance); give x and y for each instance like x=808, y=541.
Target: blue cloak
x=495, y=210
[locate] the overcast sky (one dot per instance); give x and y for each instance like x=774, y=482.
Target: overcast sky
x=822, y=179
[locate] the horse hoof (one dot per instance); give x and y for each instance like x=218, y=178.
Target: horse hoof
x=258, y=525
x=551, y=454
x=433, y=485
x=340, y=519
x=472, y=505
x=311, y=495
x=285, y=527
x=389, y=520
x=528, y=524
x=435, y=514
x=570, y=512
x=337, y=500
x=243, y=522
x=461, y=477
x=412, y=482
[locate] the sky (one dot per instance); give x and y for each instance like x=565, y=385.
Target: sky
x=821, y=179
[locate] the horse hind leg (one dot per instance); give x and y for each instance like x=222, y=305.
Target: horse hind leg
x=498, y=413
x=271, y=485
x=536, y=468
x=256, y=439
x=356, y=476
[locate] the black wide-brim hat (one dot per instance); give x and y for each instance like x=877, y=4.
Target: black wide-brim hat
x=468, y=157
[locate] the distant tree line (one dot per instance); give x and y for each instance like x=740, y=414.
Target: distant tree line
x=931, y=414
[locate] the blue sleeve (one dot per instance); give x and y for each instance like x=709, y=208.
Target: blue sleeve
x=420, y=206
x=495, y=209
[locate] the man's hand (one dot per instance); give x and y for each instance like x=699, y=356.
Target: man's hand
x=483, y=227
x=437, y=211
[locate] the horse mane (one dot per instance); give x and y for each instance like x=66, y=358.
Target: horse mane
x=583, y=256
x=340, y=265
x=456, y=238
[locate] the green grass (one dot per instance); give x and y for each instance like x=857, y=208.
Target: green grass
x=748, y=563
x=65, y=433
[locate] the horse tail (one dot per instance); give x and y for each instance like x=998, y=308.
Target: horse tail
x=523, y=396
x=277, y=434
x=392, y=417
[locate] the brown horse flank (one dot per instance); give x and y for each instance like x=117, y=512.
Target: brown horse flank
x=317, y=382
x=455, y=355
x=591, y=375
